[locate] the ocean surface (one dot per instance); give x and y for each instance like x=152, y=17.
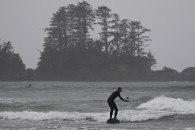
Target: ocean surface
x=83, y=105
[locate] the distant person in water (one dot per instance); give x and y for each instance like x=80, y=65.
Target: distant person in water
x=112, y=104
x=29, y=85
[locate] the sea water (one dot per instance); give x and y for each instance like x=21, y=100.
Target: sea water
x=83, y=105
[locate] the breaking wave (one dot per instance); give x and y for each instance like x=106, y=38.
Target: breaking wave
x=153, y=109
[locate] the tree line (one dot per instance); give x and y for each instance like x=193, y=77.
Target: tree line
x=72, y=50
x=72, y=53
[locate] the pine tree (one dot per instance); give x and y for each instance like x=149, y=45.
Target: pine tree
x=124, y=33
x=151, y=59
x=85, y=17
x=138, y=39
x=116, y=41
x=104, y=16
x=10, y=62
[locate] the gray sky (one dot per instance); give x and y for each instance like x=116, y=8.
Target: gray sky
x=172, y=23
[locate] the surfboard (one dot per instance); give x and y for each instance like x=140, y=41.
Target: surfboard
x=113, y=121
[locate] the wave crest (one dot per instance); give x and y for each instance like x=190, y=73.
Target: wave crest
x=163, y=103
x=153, y=109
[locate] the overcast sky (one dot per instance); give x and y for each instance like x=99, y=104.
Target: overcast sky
x=172, y=24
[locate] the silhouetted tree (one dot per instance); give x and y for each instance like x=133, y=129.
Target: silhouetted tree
x=116, y=41
x=57, y=33
x=124, y=33
x=151, y=59
x=10, y=62
x=104, y=16
x=85, y=17
x=133, y=38
x=138, y=38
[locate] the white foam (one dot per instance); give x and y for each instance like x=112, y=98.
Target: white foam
x=13, y=100
x=159, y=107
x=142, y=115
x=154, y=109
x=169, y=104
x=75, y=116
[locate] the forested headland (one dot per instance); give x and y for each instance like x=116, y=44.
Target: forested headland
x=73, y=52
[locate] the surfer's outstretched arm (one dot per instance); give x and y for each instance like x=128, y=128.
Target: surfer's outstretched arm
x=123, y=98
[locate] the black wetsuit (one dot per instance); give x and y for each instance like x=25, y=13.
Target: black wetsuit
x=112, y=104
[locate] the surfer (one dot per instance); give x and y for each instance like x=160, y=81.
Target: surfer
x=112, y=104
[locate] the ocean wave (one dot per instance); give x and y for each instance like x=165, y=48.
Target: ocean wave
x=124, y=115
x=13, y=100
x=161, y=107
x=169, y=104
x=154, y=109
x=54, y=115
